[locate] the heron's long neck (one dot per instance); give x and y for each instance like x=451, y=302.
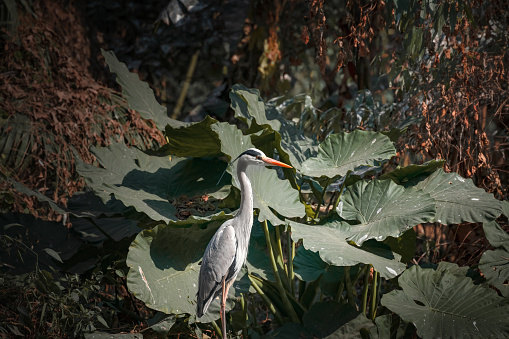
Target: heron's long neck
x=245, y=213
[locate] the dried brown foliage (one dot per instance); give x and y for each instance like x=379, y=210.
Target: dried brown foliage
x=45, y=77
x=466, y=118
x=466, y=111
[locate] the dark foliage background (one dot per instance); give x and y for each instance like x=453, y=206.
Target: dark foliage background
x=371, y=65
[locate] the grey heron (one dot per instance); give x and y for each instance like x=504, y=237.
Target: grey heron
x=227, y=250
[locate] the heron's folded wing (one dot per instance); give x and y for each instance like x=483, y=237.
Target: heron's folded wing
x=216, y=263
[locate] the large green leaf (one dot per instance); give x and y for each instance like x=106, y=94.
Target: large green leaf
x=343, y=152
x=458, y=200
x=445, y=305
x=139, y=95
x=329, y=241
x=308, y=266
x=384, y=209
x=291, y=143
x=412, y=174
x=164, y=268
x=249, y=106
x=270, y=192
x=496, y=235
x=495, y=264
x=232, y=141
x=193, y=140
x=148, y=182
x=164, y=265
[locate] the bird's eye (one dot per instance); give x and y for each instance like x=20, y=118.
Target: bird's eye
x=258, y=157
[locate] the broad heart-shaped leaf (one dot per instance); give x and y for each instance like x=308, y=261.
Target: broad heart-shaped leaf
x=496, y=235
x=148, y=182
x=412, y=174
x=138, y=94
x=164, y=268
x=384, y=209
x=445, y=305
x=231, y=141
x=292, y=145
x=495, y=267
x=495, y=264
x=249, y=106
x=458, y=200
x=329, y=241
x=193, y=140
x=343, y=152
x=270, y=192
x=308, y=266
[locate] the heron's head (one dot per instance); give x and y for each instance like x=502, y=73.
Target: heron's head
x=254, y=156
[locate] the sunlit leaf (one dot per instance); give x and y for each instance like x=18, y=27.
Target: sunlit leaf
x=164, y=268
x=444, y=305
x=270, y=192
x=139, y=95
x=249, y=106
x=383, y=209
x=343, y=152
x=330, y=242
x=193, y=140
x=148, y=182
x=308, y=266
x=458, y=200
x=495, y=264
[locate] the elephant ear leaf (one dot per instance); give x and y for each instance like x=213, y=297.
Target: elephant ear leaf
x=329, y=241
x=138, y=94
x=164, y=266
x=384, y=209
x=147, y=182
x=459, y=200
x=460, y=310
x=494, y=264
x=344, y=152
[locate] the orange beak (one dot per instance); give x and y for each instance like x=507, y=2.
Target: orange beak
x=273, y=162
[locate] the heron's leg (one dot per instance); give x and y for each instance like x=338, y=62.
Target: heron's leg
x=223, y=305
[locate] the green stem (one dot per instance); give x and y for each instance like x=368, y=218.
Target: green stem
x=279, y=284
x=365, y=289
x=279, y=263
x=291, y=255
x=243, y=305
x=349, y=287
x=280, y=247
x=267, y=301
x=374, y=296
x=359, y=274
x=217, y=329
x=340, y=290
